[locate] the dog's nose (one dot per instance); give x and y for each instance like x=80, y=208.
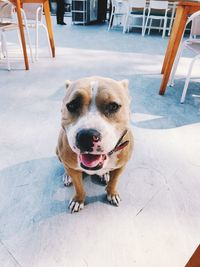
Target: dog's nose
x=86, y=138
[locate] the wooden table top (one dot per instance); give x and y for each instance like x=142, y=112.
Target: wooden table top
x=189, y=3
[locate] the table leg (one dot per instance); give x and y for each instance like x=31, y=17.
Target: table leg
x=21, y=29
x=49, y=26
x=174, y=41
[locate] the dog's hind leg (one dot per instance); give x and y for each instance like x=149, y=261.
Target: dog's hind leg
x=105, y=178
x=67, y=180
x=112, y=195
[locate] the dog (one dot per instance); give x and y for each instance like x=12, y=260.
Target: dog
x=95, y=137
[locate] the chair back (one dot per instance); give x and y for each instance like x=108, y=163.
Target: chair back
x=119, y=6
x=32, y=10
x=137, y=4
x=195, y=27
x=162, y=5
x=6, y=10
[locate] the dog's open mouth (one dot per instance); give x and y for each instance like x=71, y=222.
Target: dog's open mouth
x=92, y=161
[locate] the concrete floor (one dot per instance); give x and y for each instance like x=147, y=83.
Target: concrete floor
x=158, y=221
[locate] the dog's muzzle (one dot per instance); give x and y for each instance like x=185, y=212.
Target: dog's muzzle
x=91, y=155
x=88, y=141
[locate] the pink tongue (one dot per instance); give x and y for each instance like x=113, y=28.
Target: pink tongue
x=90, y=160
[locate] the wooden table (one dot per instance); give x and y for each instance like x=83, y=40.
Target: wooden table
x=45, y=3
x=184, y=9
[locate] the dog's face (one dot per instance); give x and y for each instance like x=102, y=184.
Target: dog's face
x=95, y=113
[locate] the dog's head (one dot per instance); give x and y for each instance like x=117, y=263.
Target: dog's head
x=95, y=114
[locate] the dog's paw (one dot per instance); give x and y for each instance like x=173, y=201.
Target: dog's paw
x=67, y=180
x=105, y=178
x=75, y=206
x=114, y=199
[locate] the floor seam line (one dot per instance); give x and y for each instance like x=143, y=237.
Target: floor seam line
x=10, y=253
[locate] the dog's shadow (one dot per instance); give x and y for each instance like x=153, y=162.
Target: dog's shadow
x=34, y=191
x=95, y=179
x=93, y=199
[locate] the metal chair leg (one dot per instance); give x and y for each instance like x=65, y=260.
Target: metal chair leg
x=187, y=80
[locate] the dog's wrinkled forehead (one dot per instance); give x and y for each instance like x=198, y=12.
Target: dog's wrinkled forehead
x=92, y=88
x=96, y=95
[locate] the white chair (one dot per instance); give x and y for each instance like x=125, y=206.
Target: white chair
x=118, y=13
x=156, y=7
x=33, y=19
x=135, y=11
x=172, y=7
x=193, y=44
x=7, y=24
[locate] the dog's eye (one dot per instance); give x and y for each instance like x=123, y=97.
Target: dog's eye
x=74, y=105
x=112, y=107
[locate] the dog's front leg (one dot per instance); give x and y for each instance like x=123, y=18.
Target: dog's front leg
x=112, y=195
x=77, y=202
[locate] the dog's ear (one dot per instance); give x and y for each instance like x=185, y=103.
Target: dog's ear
x=67, y=83
x=124, y=83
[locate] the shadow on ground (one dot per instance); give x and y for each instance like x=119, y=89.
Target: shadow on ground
x=33, y=191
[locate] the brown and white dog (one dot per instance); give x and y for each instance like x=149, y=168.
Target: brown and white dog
x=95, y=137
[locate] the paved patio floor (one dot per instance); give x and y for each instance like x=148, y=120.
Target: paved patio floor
x=158, y=221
